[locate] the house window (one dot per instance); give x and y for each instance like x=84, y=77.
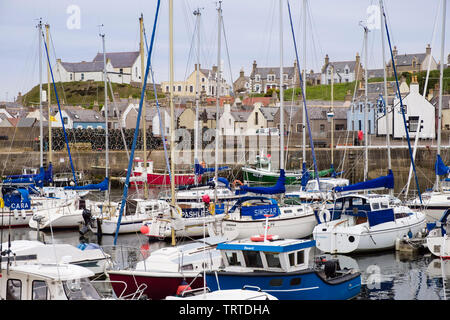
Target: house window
x=191, y=88
x=285, y=77
x=257, y=88
x=179, y=88
x=329, y=81
x=346, y=80
x=413, y=123
x=271, y=77
x=299, y=127
x=82, y=76
x=136, y=72
x=322, y=128
x=339, y=127
x=256, y=118
x=257, y=78
x=346, y=71
x=203, y=79
x=71, y=77
x=14, y=289
x=203, y=88
x=65, y=120
x=360, y=125
x=167, y=88
x=39, y=290
x=369, y=126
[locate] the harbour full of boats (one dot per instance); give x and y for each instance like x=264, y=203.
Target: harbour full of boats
x=249, y=241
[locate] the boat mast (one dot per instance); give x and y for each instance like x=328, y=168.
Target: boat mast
x=386, y=101
x=50, y=152
x=441, y=84
x=197, y=92
x=304, y=84
x=281, y=91
x=41, y=118
x=172, y=117
x=106, y=118
x=366, y=106
x=218, y=79
x=143, y=119
x=332, y=115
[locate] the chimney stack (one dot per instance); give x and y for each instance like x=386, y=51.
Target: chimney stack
x=394, y=52
x=428, y=49
x=327, y=60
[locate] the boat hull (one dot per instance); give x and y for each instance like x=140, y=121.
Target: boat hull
x=162, y=179
x=156, y=286
x=256, y=177
x=301, y=285
x=332, y=238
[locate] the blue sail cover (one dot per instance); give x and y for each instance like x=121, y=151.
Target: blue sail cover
x=44, y=176
x=17, y=200
x=200, y=170
x=439, y=167
x=305, y=175
x=381, y=182
x=102, y=186
x=277, y=188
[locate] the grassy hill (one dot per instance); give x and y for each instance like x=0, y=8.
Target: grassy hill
x=84, y=93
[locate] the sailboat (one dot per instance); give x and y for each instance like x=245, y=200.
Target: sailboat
x=366, y=222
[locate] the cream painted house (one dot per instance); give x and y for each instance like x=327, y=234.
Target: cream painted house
x=260, y=117
x=207, y=78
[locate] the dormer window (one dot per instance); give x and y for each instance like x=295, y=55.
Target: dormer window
x=257, y=78
x=285, y=77
x=271, y=77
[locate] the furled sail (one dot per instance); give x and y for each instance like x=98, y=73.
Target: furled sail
x=277, y=188
x=380, y=182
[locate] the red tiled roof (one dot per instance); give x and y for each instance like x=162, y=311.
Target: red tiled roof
x=251, y=100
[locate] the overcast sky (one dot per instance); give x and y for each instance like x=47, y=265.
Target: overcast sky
x=251, y=29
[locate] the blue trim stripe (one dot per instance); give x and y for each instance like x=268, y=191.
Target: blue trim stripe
x=266, y=246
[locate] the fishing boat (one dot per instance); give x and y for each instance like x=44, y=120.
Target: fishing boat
x=437, y=239
x=284, y=268
x=166, y=269
x=158, y=179
x=34, y=281
x=90, y=256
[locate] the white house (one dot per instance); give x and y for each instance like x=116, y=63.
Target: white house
x=122, y=67
x=233, y=121
x=344, y=71
x=75, y=117
x=417, y=108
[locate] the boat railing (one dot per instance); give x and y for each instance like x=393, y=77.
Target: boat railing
x=124, y=257
x=137, y=295
x=194, y=292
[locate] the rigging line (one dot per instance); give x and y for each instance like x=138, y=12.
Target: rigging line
x=402, y=109
x=432, y=45
x=303, y=97
x=59, y=107
x=189, y=54
x=228, y=57
x=136, y=130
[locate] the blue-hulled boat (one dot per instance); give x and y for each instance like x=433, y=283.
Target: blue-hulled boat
x=284, y=268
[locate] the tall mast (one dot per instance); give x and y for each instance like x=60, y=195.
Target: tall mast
x=106, y=118
x=218, y=79
x=197, y=92
x=366, y=106
x=332, y=116
x=50, y=153
x=143, y=119
x=441, y=84
x=388, y=130
x=172, y=117
x=304, y=83
x=281, y=91
x=41, y=118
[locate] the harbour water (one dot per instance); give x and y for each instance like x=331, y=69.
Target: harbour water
x=385, y=275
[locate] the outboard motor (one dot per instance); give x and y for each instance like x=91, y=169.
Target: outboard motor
x=331, y=266
x=87, y=217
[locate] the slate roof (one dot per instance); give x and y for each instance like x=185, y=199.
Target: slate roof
x=264, y=71
x=406, y=59
x=26, y=122
x=118, y=59
x=445, y=101
x=375, y=73
x=339, y=66
x=269, y=112
x=78, y=114
x=240, y=116
x=83, y=66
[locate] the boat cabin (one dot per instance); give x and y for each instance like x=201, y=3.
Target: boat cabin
x=139, y=165
x=445, y=184
x=325, y=184
x=46, y=282
x=359, y=208
x=285, y=255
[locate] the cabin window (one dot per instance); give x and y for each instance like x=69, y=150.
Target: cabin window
x=384, y=205
x=357, y=201
x=375, y=206
x=295, y=281
x=292, y=259
x=232, y=258
x=252, y=259
x=39, y=290
x=13, y=289
x=276, y=282
x=273, y=260
x=300, y=257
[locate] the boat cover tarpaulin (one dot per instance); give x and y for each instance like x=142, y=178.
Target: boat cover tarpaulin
x=439, y=167
x=277, y=188
x=17, y=200
x=201, y=170
x=381, y=182
x=102, y=186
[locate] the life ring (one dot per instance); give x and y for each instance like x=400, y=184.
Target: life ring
x=324, y=215
x=235, y=182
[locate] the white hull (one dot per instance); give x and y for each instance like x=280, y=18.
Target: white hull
x=438, y=245
x=20, y=220
x=433, y=204
x=338, y=237
x=127, y=225
x=286, y=227
x=64, y=217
